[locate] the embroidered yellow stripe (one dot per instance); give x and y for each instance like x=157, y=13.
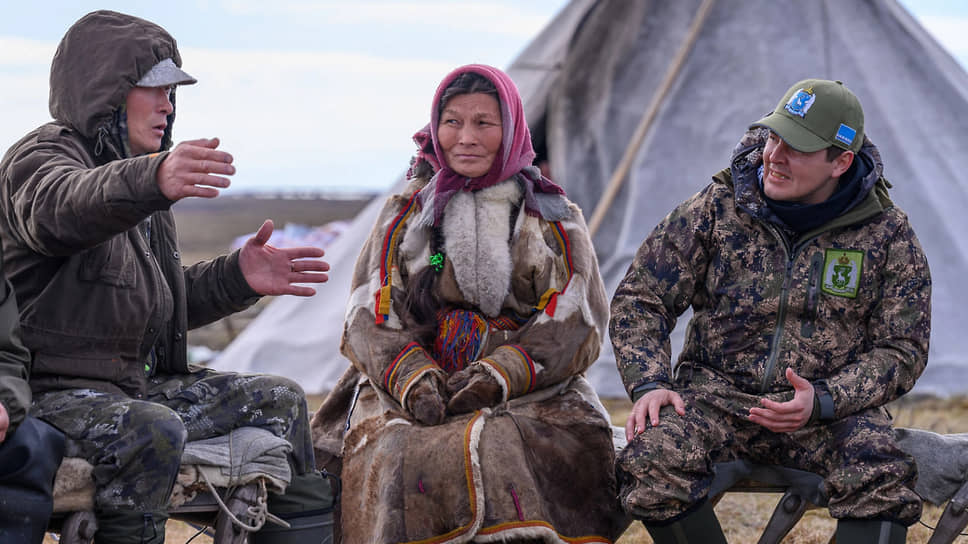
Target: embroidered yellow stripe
x=512, y=525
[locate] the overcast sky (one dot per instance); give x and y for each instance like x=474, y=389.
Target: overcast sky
x=314, y=94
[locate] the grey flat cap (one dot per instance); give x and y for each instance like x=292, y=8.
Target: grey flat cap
x=165, y=73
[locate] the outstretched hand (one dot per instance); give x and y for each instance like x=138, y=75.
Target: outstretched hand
x=785, y=417
x=276, y=271
x=194, y=168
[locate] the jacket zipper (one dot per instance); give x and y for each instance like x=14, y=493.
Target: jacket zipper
x=813, y=296
x=151, y=356
x=782, y=309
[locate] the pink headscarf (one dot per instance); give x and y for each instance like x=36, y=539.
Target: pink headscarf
x=513, y=157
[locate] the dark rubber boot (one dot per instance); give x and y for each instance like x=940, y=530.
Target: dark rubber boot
x=307, y=506
x=29, y=458
x=127, y=527
x=869, y=531
x=698, y=526
x=312, y=529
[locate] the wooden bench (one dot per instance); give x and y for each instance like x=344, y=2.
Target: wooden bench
x=801, y=491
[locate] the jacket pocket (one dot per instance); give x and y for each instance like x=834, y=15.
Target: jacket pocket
x=91, y=367
x=112, y=262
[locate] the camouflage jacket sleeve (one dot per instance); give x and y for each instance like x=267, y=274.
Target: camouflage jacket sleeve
x=659, y=286
x=898, y=332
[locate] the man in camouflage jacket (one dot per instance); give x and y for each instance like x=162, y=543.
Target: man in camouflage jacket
x=811, y=310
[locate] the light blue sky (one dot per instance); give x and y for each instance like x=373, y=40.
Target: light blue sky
x=314, y=94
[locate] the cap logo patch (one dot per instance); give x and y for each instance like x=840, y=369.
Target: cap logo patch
x=845, y=134
x=799, y=104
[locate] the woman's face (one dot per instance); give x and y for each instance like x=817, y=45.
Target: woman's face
x=470, y=133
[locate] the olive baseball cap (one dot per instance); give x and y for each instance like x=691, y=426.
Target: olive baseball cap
x=815, y=114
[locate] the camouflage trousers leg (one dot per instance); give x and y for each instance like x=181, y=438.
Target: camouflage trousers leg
x=213, y=403
x=866, y=475
x=136, y=445
x=667, y=469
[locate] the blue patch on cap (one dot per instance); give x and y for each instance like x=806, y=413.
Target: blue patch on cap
x=845, y=134
x=799, y=104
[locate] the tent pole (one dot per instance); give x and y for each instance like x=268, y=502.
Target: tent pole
x=621, y=172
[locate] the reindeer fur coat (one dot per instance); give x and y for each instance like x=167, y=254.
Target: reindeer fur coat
x=537, y=466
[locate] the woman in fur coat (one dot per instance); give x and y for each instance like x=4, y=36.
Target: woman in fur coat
x=476, y=307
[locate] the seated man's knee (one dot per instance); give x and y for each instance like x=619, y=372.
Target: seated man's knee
x=156, y=429
x=277, y=390
x=660, y=476
x=282, y=386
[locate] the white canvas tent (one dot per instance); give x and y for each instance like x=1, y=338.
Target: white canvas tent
x=638, y=103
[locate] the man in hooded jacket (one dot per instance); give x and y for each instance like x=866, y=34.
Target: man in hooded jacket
x=105, y=302
x=811, y=310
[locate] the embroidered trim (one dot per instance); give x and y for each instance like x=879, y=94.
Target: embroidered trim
x=501, y=372
x=500, y=375
x=417, y=374
x=549, y=300
x=505, y=322
x=390, y=242
x=389, y=376
x=528, y=363
x=530, y=528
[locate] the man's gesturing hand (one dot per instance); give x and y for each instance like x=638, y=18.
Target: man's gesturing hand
x=190, y=170
x=785, y=417
x=276, y=271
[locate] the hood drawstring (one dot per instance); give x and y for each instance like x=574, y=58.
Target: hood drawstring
x=102, y=133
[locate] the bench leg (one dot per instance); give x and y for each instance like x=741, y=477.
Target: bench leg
x=786, y=514
x=953, y=519
x=78, y=528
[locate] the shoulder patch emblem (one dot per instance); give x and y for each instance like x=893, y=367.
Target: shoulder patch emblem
x=841, y=272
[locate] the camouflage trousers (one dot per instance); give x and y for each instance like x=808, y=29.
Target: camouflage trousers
x=667, y=469
x=136, y=445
